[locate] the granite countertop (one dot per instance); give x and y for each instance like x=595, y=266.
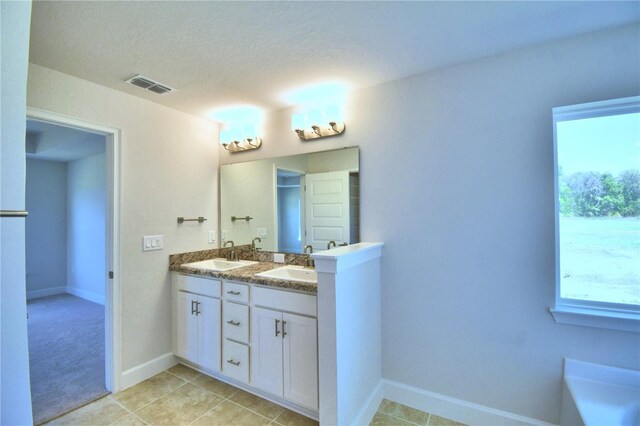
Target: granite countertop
x=247, y=274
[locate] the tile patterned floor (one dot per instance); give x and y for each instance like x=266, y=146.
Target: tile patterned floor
x=183, y=396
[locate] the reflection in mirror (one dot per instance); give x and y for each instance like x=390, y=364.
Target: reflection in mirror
x=291, y=202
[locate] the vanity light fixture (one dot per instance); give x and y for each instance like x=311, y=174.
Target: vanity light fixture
x=310, y=126
x=239, y=139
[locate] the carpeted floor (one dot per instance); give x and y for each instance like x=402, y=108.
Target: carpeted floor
x=66, y=354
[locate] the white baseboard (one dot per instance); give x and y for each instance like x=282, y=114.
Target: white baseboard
x=87, y=295
x=34, y=294
x=370, y=407
x=452, y=408
x=142, y=372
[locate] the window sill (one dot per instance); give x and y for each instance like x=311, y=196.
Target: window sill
x=598, y=318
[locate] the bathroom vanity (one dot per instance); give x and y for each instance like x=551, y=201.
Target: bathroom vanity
x=256, y=333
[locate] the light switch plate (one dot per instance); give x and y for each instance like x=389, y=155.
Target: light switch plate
x=212, y=237
x=152, y=242
x=278, y=257
x=262, y=232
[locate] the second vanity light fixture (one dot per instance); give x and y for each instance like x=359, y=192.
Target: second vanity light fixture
x=238, y=139
x=316, y=124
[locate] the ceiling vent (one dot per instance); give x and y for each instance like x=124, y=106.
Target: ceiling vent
x=149, y=84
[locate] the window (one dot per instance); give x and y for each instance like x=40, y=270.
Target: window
x=597, y=206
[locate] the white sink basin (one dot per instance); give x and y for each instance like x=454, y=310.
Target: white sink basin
x=291, y=273
x=219, y=265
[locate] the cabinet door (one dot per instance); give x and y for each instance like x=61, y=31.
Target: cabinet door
x=209, y=351
x=266, y=350
x=187, y=327
x=300, y=350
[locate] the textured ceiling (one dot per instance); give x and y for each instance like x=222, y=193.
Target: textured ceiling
x=221, y=54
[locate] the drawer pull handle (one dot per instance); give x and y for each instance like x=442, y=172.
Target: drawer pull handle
x=232, y=362
x=193, y=307
x=284, y=333
x=235, y=293
x=232, y=322
x=198, y=311
x=276, y=323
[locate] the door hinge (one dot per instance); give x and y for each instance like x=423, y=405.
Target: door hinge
x=110, y=275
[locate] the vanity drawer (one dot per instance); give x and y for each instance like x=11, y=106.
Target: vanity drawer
x=236, y=292
x=235, y=321
x=235, y=360
x=300, y=303
x=199, y=285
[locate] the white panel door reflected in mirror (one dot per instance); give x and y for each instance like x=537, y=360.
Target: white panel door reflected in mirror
x=293, y=201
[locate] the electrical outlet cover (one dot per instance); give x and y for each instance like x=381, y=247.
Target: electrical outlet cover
x=262, y=232
x=212, y=237
x=278, y=257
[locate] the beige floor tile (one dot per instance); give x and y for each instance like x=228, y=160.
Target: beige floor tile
x=101, y=412
x=229, y=414
x=291, y=418
x=130, y=420
x=184, y=372
x=180, y=407
x=381, y=419
x=216, y=386
x=441, y=421
x=403, y=412
x=257, y=404
x=143, y=393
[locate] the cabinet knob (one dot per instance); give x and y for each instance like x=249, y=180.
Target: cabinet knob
x=232, y=362
x=232, y=322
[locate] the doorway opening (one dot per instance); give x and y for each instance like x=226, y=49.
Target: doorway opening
x=289, y=206
x=70, y=248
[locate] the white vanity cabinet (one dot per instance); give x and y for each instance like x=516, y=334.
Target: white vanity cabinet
x=259, y=338
x=235, y=330
x=197, y=308
x=284, y=346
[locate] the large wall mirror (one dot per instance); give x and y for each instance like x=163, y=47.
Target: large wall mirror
x=291, y=202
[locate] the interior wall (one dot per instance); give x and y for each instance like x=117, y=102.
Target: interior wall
x=46, y=229
x=87, y=227
x=15, y=394
x=457, y=180
x=169, y=167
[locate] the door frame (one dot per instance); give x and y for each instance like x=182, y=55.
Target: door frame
x=113, y=299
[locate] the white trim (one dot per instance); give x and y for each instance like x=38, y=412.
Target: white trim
x=142, y=372
x=595, y=318
x=342, y=258
x=370, y=407
x=86, y=295
x=583, y=312
x=113, y=298
x=35, y=294
x=452, y=408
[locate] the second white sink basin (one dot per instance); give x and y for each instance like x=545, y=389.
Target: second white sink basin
x=291, y=273
x=219, y=265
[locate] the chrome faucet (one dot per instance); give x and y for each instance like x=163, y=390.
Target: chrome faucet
x=232, y=254
x=329, y=244
x=253, y=244
x=310, y=261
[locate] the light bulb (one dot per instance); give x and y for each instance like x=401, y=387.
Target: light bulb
x=333, y=114
x=315, y=118
x=249, y=132
x=297, y=122
x=225, y=137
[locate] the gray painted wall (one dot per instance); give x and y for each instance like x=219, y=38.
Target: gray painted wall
x=46, y=229
x=457, y=181
x=86, y=227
